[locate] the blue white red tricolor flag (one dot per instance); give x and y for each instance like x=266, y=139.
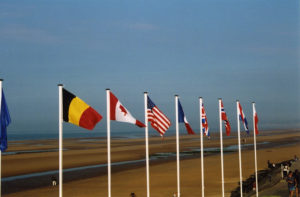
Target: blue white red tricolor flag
x=204, y=122
x=182, y=118
x=158, y=120
x=243, y=118
x=4, y=122
x=225, y=119
x=255, y=120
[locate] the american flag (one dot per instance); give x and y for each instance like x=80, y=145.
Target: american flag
x=225, y=119
x=204, y=122
x=159, y=121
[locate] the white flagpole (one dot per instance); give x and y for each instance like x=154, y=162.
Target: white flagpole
x=108, y=142
x=201, y=148
x=60, y=125
x=0, y=131
x=255, y=156
x=239, y=143
x=177, y=146
x=147, y=143
x=221, y=148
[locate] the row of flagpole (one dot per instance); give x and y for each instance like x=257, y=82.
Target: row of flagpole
x=147, y=145
x=179, y=116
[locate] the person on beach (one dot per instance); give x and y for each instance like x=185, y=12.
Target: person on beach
x=53, y=180
x=291, y=183
x=285, y=170
x=297, y=177
x=281, y=168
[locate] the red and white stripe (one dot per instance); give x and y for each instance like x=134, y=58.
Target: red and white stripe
x=158, y=120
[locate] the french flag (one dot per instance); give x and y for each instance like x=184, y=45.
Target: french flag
x=243, y=118
x=182, y=118
x=119, y=113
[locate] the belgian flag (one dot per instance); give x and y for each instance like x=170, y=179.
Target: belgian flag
x=77, y=112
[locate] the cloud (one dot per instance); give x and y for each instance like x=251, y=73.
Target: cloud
x=25, y=34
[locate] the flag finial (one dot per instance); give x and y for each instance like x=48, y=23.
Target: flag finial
x=107, y=89
x=60, y=84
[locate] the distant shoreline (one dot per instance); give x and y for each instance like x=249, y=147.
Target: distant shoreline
x=16, y=137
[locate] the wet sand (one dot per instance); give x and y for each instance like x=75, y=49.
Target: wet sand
x=282, y=145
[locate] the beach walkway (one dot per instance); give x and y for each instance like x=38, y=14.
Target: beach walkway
x=280, y=189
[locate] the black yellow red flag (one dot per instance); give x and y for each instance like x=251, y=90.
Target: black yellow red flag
x=77, y=112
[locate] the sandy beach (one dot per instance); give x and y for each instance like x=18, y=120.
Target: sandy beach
x=42, y=155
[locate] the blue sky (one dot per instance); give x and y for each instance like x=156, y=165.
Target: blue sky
x=233, y=49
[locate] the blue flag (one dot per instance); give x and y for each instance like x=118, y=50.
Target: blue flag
x=4, y=122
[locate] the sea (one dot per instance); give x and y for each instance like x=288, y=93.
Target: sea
x=17, y=136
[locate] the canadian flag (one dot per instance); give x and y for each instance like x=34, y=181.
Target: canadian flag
x=119, y=113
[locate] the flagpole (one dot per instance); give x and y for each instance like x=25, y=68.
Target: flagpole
x=60, y=126
x=221, y=148
x=177, y=146
x=147, y=143
x=239, y=143
x=255, y=156
x=108, y=142
x=1, y=80
x=201, y=148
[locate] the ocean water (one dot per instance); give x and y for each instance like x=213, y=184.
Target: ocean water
x=16, y=136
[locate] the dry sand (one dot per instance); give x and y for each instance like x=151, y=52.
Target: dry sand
x=282, y=146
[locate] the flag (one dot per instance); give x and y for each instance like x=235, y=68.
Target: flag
x=243, y=118
x=182, y=118
x=204, y=122
x=225, y=119
x=255, y=120
x=119, y=113
x=5, y=121
x=158, y=120
x=77, y=112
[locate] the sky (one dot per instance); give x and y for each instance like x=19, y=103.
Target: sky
x=233, y=49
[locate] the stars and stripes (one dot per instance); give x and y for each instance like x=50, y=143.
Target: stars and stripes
x=243, y=118
x=158, y=120
x=225, y=119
